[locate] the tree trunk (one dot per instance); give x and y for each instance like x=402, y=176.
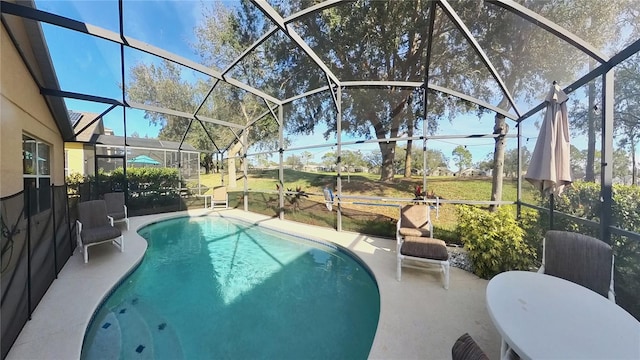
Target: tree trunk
x=407, y=159
x=500, y=128
x=231, y=164
x=388, y=151
x=407, y=156
x=207, y=163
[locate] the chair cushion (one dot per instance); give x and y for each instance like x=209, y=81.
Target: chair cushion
x=93, y=214
x=414, y=232
x=99, y=234
x=465, y=348
x=424, y=247
x=414, y=216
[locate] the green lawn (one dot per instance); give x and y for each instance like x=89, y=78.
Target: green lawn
x=361, y=184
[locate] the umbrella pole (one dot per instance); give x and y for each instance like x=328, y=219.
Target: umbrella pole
x=551, y=210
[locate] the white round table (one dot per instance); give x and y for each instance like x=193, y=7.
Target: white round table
x=545, y=317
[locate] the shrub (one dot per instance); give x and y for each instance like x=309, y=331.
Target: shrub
x=534, y=232
x=494, y=240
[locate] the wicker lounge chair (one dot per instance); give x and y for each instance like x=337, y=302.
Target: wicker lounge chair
x=415, y=242
x=581, y=259
x=465, y=348
x=95, y=227
x=116, y=207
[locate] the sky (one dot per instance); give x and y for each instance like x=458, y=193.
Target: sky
x=88, y=65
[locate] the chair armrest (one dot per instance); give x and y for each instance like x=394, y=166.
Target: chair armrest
x=110, y=219
x=78, y=233
x=612, y=292
x=399, y=238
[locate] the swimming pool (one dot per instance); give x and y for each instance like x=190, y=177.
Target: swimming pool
x=210, y=287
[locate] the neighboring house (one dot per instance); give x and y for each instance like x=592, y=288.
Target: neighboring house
x=472, y=172
x=441, y=171
x=359, y=169
x=78, y=155
x=32, y=126
x=313, y=168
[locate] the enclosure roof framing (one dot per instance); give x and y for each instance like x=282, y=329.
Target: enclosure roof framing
x=552, y=27
x=61, y=21
x=272, y=14
x=286, y=24
x=474, y=44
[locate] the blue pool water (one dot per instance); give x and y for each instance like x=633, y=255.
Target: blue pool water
x=212, y=288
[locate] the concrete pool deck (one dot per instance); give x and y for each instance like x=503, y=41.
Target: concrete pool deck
x=419, y=319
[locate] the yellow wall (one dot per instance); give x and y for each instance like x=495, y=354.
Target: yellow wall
x=75, y=158
x=23, y=110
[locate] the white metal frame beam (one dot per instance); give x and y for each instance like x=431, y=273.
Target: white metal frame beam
x=61, y=21
x=444, y=5
x=553, y=28
x=272, y=14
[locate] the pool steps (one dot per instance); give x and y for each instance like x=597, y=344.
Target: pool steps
x=154, y=339
x=109, y=341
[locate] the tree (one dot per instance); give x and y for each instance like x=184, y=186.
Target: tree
x=462, y=158
x=294, y=161
x=435, y=159
x=329, y=159
x=621, y=168
x=523, y=57
x=511, y=161
x=305, y=157
x=578, y=163
x=373, y=160
x=386, y=39
x=415, y=158
x=627, y=109
x=381, y=40
x=486, y=164
x=165, y=85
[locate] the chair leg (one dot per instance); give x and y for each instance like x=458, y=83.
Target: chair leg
x=127, y=220
x=86, y=254
x=445, y=270
x=119, y=244
x=504, y=350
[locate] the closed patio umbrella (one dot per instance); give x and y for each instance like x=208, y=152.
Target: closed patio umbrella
x=549, y=169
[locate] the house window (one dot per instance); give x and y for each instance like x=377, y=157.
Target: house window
x=36, y=160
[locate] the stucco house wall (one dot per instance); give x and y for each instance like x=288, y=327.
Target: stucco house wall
x=23, y=111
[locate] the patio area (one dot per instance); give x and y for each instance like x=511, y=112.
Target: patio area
x=418, y=318
x=382, y=103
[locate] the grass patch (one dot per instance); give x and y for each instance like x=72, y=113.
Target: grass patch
x=367, y=219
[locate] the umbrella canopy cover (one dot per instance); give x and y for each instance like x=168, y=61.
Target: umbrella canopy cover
x=143, y=159
x=549, y=169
